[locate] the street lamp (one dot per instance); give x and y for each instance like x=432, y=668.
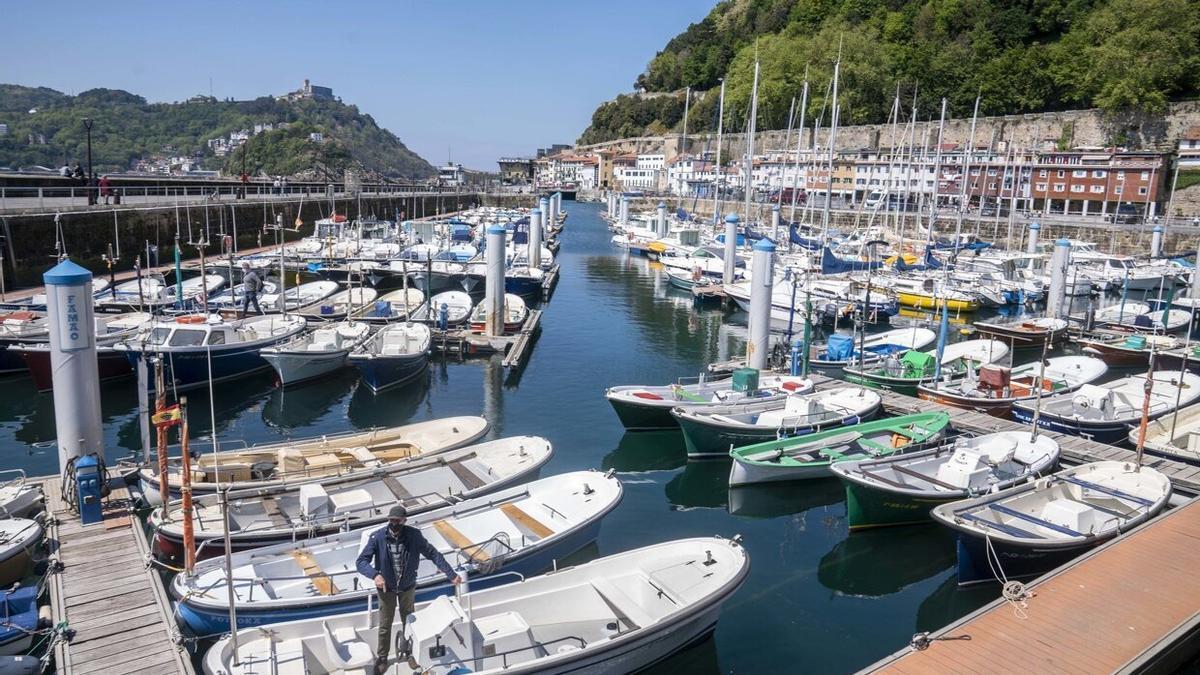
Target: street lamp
x=87, y=124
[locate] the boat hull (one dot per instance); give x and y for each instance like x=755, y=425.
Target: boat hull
x=867, y=507
x=707, y=440
x=635, y=417
x=747, y=473
x=1017, y=562
x=110, y=364
x=208, y=621
x=296, y=367
x=994, y=407
x=190, y=369
x=1102, y=432
x=919, y=301
x=384, y=372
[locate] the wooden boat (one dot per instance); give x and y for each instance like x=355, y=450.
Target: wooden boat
x=810, y=456
x=900, y=490
x=643, y=408
x=1176, y=436
x=392, y=306
x=519, y=531
x=396, y=354
x=271, y=465
x=913, y=368
x=714, y=430
x=617, y=614
x=197, y=349
x=312, y=508
x=21, y=327
x=316, y=352
x=843, y=350
x=1032, y=528
x=997, y=388
x=340, y=305
x=110, y=364
x=1025, y=333
x=19, y=537
x=515, y=312
x=458, y=308
x=1123, y=349
x=1104, y=413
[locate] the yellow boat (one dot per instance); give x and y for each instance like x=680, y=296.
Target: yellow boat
x=923, y=301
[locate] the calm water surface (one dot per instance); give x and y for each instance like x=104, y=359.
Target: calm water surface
x=816, y=599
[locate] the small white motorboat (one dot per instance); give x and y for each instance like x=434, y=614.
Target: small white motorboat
x=394, y=355
x=514, y=313
x=18, y=539
x=617, y=614
x=518, y=531
x=644, y=407
x=458, y=308
x=1031, y=528
x=340, y=304
x=1176, y=435
x=19, y=498
x=392, y=306
x=315, y=352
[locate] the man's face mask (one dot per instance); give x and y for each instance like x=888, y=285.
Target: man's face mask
x=396, y=524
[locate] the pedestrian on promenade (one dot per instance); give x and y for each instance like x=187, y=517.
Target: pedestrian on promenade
x=105, y=190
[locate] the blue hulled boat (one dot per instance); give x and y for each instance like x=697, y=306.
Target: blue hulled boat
x=396, y=354
x=196, y=348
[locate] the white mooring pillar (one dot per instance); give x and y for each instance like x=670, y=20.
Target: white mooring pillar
x=1031, y=245
x=624, y=211
x=660, y=227
x=775, y=222
x=1156, y=242
x=544, y=206
x=73, y=361
x=763, y=275
x=612, y=205
x=535, y=239
x=1058, y=279
x=731, y=226
x=494, y=286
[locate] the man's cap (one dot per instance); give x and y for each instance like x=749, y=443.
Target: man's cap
x=398, y=511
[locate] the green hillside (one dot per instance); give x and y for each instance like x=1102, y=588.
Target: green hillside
x=1020, y=55
x=127, y=129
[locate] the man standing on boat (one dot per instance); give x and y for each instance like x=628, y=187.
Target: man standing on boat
x=392, y=556
x=251, y=285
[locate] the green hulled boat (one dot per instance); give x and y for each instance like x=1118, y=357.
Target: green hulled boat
x=915, y=368
x=902, y=489
x=810, y=456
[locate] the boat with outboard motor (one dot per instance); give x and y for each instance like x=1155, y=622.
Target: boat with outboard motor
x=906, y=372
x=315, y=352
x=996, y=388
x=648, y=407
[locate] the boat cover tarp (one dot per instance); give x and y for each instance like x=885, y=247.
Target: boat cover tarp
x=839, y=347
x=831, y=264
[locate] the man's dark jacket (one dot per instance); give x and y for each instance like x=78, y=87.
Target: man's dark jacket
x=415, y=546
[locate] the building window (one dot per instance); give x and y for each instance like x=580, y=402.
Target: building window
x=1077, y=188
x=1040, y=187
x=1117, y=190
x=991, y=186
x=1121, y=176
x=991, y=172
x=1059, y=187
x=1061, y=173
x=1098, y=189
x=1142, y=191
x=1079, y=173
x=1098, y=174
x=1145, y=175
x=1043, y=173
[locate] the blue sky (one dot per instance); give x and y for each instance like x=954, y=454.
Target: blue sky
x=480, y=79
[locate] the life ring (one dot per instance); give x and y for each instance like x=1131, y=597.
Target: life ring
x=192, y=318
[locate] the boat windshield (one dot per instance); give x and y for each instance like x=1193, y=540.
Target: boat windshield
x=185, y=337
x=1117, y=262
x=159, y=336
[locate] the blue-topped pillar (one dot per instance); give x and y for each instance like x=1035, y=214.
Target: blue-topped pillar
x=73, y=361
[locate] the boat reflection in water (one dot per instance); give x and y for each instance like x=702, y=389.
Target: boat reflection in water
x=876, y=563
x=951, y=602
x=381, y=409
x=771, y=500
x=303, y=405
x=702, y=484
x=647, y=451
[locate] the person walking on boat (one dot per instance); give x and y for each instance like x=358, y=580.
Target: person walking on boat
x=392, y=556
x=251, y=285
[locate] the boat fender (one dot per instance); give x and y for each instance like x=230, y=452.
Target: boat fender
x=463, y=670
x=191, y=318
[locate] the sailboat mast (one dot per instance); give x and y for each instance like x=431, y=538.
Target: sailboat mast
x=750, y=142
x=787, y=142
x=964, y=177
x=799, y=141
x=837, y=65
x=717, y=176
x=937, y=175
x=910, y=159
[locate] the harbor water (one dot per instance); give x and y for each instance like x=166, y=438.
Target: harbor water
x=817, y=599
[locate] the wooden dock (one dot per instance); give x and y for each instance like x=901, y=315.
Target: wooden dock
x=549, y=281
x=117, y=611
x=1132, y=605
x=1185, y=478
x=514, y=346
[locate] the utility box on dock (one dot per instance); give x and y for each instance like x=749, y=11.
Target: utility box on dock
x=89, y=489
x=745, y=379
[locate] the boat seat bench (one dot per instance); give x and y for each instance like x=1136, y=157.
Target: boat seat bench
x=309, y=566
x=621, y=604
x=468, y=477
x=1108, y=491
x=1000, y=508
x=1003, y=527
x=460, y=541
x=520, y=517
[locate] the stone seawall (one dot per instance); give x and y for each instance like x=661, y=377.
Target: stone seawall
x=30, y=247
x=1075, y=128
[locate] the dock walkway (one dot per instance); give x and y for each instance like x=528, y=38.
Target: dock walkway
x=1131, y=605
x=1185, y=478
x=115, y=608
